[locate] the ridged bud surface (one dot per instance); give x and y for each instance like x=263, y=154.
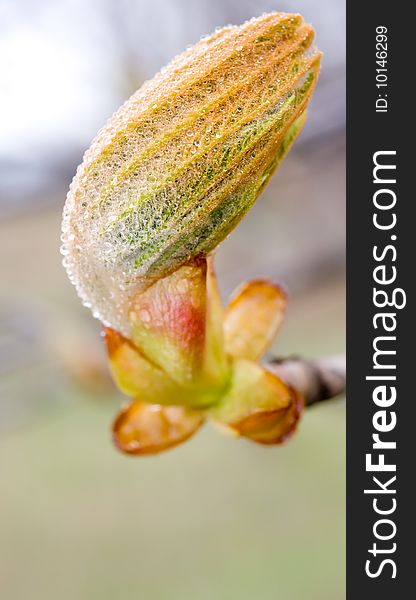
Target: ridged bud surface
x=181, y=162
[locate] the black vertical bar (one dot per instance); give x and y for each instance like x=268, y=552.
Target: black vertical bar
x=369, y=130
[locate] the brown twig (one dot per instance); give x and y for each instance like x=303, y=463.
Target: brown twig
x=316, y=380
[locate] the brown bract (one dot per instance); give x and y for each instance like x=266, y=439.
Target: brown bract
x=149, y=428
x=271, y=427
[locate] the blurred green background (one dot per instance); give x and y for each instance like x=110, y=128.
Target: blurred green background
x=217, y=517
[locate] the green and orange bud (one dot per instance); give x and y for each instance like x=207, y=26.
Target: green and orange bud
x=166, y=180
x=182, y=161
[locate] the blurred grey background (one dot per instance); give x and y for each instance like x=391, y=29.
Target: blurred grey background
x=216, y=518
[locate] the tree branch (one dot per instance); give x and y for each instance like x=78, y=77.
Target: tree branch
x=316, y=380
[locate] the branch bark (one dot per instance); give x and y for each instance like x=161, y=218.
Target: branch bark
x=316, y=380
